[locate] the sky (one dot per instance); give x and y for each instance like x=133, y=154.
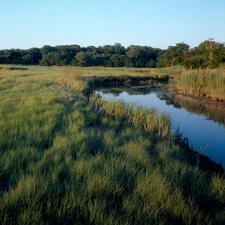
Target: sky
x=157, y=23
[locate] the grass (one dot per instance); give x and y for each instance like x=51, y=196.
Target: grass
x=202, y=83
x=208, y=83
x=67, y=159
x=156, y=125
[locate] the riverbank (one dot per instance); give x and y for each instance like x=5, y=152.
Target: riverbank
x=220, y=104
x=208, y=84
x=210, y=111
x=68, y=158
x=144, y=118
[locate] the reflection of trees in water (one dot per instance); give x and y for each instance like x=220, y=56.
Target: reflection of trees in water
x=210, y=112
x=135, y=90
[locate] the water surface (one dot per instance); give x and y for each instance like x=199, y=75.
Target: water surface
x=204, y=127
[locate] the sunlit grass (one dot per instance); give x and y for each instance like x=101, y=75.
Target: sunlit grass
x=156, y=125
x=207, y=83
x=65, y=161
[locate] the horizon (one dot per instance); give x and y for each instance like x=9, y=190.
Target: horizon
x=86, y=23
x=191, y=47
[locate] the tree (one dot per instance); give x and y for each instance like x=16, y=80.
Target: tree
x=117, y=56
x=52, y=58
x=3, y=58
x=173, y=55
x=139, y=56
x=32, y=56
x=46, y=49
x=83, y=59
x=194, y=62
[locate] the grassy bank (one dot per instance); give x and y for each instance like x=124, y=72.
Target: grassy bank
x=203, y=83
x=67, y=159
x=207, y=83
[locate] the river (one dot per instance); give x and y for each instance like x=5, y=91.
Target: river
x=204, y=126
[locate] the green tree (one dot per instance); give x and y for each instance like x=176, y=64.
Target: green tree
x=173, y=55
x=83, y=59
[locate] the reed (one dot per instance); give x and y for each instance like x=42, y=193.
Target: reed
x=154, y=124
x=204, y=83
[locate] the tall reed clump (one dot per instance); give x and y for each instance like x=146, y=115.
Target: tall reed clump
x=207, y=83
x=153, y=123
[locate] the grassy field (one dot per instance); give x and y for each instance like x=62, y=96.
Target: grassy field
x=70, y=159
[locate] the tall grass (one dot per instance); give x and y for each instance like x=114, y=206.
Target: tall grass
x=154, y=124
x=207, y=83
x=64, y=161
x=172, y=71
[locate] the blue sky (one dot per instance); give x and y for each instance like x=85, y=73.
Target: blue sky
x=157, y=23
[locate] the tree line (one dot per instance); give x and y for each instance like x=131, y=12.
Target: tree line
x=117, y=55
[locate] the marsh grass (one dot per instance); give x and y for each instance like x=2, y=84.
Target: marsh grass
x=208, y=83
x=203, y=83
x=156, y=125
x=64, y=161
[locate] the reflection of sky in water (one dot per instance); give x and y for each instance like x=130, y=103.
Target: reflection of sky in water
x=197, y=128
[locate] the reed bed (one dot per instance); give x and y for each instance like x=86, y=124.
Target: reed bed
x=155, y=124
x=203, y=83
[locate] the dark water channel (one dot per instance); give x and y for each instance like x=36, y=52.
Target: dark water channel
x=204, y=126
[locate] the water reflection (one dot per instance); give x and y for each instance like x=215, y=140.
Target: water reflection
x=203, y=125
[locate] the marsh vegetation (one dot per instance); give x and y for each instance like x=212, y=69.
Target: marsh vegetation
x=203, y=83
x=70, y=159
x=201, y=126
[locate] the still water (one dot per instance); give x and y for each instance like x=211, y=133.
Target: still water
x=203, y=126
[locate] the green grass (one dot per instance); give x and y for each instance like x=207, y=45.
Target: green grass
x=153, y=124
x=204, y=83
x=207, y=83
x=65, y=161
